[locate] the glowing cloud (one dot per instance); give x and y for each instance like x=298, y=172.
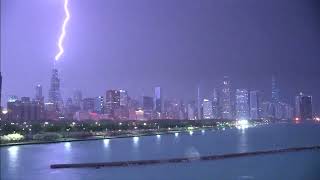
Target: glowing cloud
x=63, y=33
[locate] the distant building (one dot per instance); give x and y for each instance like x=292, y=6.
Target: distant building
x=199, y=105
x=255, y=105
x=51, y=112
x=191, y=111
x=112, y=103
x=275, y=93
x=77, y=99
x=99, y=105
x=304, y=107
x=215, y=104
x=24, y=110
x=207, y=109
x=54, y=91
x=147, y=104
x=123, y=98
x=225, y=99
x=14, y=107
x=88, y=104
x=267, y=110
x=242, y=104
x=39, y=95
x=123, y=111
x=158, y=102
x=39, y=100
x=171, y=109
x=140, y=114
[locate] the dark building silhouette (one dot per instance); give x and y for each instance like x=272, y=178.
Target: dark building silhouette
x=54, y=91
x=304, y=107
x=24, y=110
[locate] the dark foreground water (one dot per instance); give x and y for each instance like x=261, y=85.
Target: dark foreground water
x=33, y=161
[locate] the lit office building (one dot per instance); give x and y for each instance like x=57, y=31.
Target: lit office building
x=207, y=109
x=158, y=102
x=225, y=99
x=242, y=104
x=112, y=103
x=99, y=104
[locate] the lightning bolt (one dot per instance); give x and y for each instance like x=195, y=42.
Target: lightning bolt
x=63, y=32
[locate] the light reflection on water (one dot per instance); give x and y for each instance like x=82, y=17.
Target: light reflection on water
x=176, y=135
x=13, y=152
x=243, y=140
x=191, y=133
x=203, y=131
x=67, y=146
x=106, y=143
x=135, y=141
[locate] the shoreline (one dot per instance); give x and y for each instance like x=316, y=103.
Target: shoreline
x=96, y=138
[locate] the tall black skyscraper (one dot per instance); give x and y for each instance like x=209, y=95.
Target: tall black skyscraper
x=54, y=91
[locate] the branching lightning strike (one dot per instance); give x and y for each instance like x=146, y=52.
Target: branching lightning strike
x=63, y=33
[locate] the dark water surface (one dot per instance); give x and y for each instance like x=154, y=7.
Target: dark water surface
x=33, y=161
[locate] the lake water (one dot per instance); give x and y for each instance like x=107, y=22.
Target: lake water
x=32, y=162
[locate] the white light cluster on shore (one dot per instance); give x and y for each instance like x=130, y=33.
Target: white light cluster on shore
x=242, y=124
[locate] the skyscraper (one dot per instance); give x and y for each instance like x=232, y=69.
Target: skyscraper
x=207, y=109
x=39, y=102
x=215, y=104
x=54, y=91
x=123, y=98
x=242, y=104
x=225, y=100
x=255, y=105
x=191, y=111
x=123, y=111
x=77, y=99
x=147, y=104
x=304, y=107
x=99, y=104
x=112, y=103
x=199, y=113
x=275, y=93
x=158, y=102
x=38, y=95
x=88, y=104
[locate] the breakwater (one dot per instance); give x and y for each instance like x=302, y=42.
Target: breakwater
x=183, y=159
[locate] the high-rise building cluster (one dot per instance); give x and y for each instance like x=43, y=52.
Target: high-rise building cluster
x=224, y=103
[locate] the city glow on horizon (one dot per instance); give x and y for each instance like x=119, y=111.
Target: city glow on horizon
x=63, y=32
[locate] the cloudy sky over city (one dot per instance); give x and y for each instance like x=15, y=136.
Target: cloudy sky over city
x=175, y=44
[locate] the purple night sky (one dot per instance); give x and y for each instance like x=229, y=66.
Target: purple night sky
x=175, y=44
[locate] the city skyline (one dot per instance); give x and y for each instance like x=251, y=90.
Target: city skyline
x=177, y=69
